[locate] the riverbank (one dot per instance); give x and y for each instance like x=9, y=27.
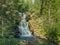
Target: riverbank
x=15, y=41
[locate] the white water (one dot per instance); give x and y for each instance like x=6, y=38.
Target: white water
x=23, y=27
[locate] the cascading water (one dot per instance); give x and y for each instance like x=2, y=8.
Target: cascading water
x=23, y=28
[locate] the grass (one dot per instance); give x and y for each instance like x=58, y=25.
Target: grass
x=15, y=41
x=10, y=41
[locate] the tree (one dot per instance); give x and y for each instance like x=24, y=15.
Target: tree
x=51, y=20
x=10, y=13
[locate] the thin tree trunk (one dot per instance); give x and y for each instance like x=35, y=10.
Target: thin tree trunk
x=49, y=12
x=49, y=19
x=2, y=28
x=41, y=9
x=3, y=15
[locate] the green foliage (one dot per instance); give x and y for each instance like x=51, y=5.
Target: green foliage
x=49, y=10
x=10, y=41
x=51, y=19
x=10, y=13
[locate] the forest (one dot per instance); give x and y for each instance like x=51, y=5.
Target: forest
x=37, y=20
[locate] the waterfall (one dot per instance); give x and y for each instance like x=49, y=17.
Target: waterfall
x=23, y=27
